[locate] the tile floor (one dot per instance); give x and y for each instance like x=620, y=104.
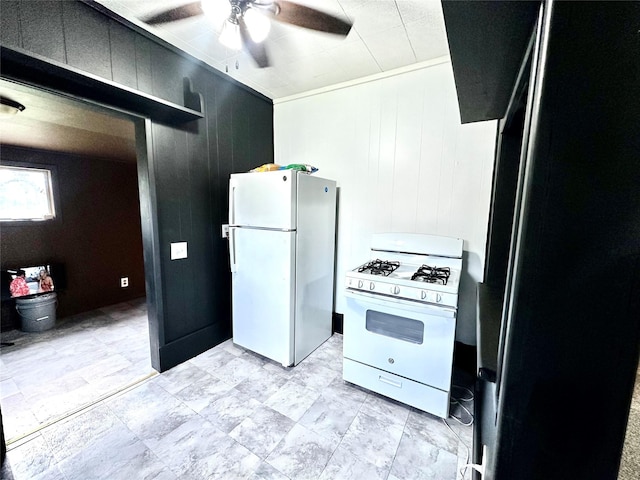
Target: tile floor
x=44, y=375
x=230, y=414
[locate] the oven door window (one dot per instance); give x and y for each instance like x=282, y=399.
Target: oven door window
x=401, y=328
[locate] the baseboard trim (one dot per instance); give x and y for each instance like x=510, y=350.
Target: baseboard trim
x=183, y=349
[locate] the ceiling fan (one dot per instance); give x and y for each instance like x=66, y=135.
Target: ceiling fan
x=247, y=22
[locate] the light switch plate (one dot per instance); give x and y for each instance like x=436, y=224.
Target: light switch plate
x=178, y=250
x=225, y=230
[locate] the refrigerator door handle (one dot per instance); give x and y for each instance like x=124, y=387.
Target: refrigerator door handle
x=232, y=204
x=232, y=250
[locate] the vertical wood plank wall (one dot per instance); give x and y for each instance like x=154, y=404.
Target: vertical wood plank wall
x=190, y=165
x=403, y=163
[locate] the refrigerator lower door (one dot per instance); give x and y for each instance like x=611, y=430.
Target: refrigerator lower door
x=263, y=274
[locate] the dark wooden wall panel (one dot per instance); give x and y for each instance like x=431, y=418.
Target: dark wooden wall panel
x=261, y=124
x=172, y=180
x=123, y=54
x=223, y=93
x=87, y=39
x=203, y=296
x=143, y=64
x=167, y=70
x=219, y=128
x=188, y=172
x=242, y=160
x=41, y=29
x=166, y=162
x=10, y=23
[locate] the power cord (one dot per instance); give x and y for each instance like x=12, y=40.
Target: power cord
x=465, y=389
x=458, y=401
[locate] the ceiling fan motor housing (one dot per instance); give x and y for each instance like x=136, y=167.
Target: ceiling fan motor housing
x=236, y=32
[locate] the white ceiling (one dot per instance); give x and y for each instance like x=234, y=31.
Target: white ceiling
x=386, y=34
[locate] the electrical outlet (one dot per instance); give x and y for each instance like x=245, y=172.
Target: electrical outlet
x=225, y=231
x=124, y=282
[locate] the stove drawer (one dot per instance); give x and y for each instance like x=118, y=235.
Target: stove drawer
x=412, y=393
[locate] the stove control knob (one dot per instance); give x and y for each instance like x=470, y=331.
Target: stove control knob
x=423, y=295
x=350, y=282
x=396, y=290
x=391, y=360
x=360, y=283
x=372, y=285
x=438, y=298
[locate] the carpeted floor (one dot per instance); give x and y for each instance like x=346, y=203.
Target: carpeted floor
x=630, y=464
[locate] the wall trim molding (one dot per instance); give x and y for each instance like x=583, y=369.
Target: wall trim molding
x=36, y=70
x=370, y=78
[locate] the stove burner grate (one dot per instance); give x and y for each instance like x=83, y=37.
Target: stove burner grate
x=379, y=267
x=429, y=274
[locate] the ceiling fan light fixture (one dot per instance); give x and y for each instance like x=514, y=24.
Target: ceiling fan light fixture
x=216, y=10
x=9, y=107
x=230, y=35
x=257, y=24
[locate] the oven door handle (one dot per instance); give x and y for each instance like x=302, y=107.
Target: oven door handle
x=390, y=303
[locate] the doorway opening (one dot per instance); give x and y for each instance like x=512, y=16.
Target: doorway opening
x=100, y=343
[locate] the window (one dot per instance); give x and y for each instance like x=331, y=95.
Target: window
x=25, y=194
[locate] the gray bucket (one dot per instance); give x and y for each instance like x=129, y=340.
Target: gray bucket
x=37, y=312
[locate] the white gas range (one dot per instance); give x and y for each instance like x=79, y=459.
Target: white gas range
x=400, y=321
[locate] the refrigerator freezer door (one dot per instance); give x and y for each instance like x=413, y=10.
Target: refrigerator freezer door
x=263, y=200
x=263, y=292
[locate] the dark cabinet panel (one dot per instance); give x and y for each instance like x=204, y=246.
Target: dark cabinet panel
x=571, y=309
x=123, y=54
x=505, y=181
x=10, y=24
x=487, y=40
x=41, y=28
x=86, y=34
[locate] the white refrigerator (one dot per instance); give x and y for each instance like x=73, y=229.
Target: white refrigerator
x=281, y=248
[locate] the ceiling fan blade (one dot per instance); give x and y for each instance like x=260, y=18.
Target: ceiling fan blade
x=307, y=17
x=185, y=11
x=257, y=50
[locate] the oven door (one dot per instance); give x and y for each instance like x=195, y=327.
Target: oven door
x=406, y=338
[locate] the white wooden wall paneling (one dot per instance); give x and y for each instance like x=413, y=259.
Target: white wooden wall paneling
x=403, y=162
